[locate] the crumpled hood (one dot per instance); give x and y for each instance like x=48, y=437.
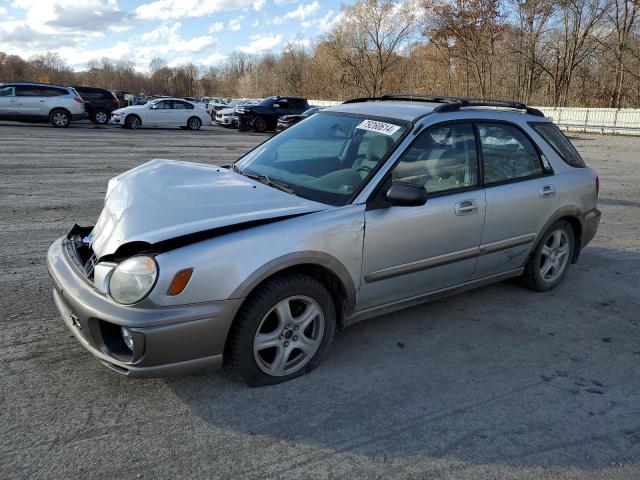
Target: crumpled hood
x=164, y=199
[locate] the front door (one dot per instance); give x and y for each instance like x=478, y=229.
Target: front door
x=162, y=114
x=521, y=196
x=410, y=251
x=8, y=101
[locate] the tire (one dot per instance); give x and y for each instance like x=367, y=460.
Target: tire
x=194, y=123
x=100, y=117
x=264, y=340
x=550, y=261
x=60, y=118
x=133, y=122
x=260, y=125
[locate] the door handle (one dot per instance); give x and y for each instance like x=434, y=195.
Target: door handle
x=466, y=207
x=546, y=191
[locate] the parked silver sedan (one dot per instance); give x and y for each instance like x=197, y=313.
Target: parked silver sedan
x=359, y=210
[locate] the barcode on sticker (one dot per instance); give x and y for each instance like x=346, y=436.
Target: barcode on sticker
x=380, y=127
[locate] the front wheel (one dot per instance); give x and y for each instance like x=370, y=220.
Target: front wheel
x=194, y=123
x=60, y=118
x=283, y=330
x=133, y=122
x=550, y=261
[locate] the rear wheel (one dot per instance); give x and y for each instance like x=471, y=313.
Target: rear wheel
x=283, y=330
x=101, y=117
x=260, y=125
x=549, y=263
x=133, y=122
x=194, y=123
x=60, y=118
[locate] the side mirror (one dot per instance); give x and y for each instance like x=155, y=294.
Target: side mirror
x=276, y=105
x=153, y=107
x=407, y=194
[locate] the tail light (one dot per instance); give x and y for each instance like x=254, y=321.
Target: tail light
x=115, y=101
x=78, y=99
x=597, y=186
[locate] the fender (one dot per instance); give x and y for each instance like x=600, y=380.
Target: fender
x=572, y=211
x=300, y=258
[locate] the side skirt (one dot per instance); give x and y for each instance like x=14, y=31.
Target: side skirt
x=386, y=308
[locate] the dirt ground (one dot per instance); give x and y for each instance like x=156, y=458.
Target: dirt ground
x=498, y=383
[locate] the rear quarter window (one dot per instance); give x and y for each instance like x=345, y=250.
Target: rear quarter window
x=559, y=142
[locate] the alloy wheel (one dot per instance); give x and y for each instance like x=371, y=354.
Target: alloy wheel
x=288, y=336
x=554, y=256
x=101, y=118
x=60, y=119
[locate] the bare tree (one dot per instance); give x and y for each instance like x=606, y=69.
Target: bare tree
x=367, y=39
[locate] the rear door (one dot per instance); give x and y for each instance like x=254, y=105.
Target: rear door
x=8, y=101
x=521, y=196
x=181, y=112
x=32, y=101
x=411, y=251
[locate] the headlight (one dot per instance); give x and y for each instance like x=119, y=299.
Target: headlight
x=133, y=279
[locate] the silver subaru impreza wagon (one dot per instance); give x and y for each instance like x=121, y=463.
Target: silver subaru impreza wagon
x=359, y=210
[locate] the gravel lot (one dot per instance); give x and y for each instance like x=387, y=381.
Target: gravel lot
x=497, y=383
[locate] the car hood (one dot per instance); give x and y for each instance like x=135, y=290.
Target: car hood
x=129, y=108
x=165, y=199
x=227, y=111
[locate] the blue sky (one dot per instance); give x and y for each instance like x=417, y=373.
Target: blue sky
x=203, y=32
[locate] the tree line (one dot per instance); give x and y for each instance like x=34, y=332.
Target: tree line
x=542, y=52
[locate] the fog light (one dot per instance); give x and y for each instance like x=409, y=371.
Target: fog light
x=127, y=336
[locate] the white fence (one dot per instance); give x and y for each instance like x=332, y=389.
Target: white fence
x=625, y=121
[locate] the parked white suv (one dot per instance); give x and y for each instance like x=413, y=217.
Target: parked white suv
x=41, y=102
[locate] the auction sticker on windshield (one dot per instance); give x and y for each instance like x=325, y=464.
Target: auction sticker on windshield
x=380, y=127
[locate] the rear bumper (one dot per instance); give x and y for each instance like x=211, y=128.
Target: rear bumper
x=169, y=340
x=79, y=116
x=590, y=223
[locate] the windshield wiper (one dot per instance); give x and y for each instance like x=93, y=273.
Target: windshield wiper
x=234, y=167
x=263, y=179
x=272, y=183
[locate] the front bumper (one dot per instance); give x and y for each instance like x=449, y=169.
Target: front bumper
x=226, y=120
x=170, y=340
x=116, y=120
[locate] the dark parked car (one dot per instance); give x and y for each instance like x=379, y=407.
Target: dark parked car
x=287, y=121
x=264, y=116
x=99, y=103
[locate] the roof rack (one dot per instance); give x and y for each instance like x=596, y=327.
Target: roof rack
x=452, y=104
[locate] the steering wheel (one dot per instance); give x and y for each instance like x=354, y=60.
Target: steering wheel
x=363, y=168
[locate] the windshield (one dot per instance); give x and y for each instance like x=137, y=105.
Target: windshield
x=327, y=157
x=267, y=102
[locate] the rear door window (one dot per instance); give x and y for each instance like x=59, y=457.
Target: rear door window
x=507, y=153
x=559, y=142
x=179, y=105
x=55, y=92
x=29, y=91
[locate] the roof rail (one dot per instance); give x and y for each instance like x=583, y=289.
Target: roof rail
x=452, y=104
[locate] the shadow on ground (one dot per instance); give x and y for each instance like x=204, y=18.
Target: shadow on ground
x=498, y=375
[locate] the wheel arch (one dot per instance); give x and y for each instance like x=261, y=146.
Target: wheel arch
x=573, y=215
x=132, y=114
x=325, y=268
x=63, y=109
